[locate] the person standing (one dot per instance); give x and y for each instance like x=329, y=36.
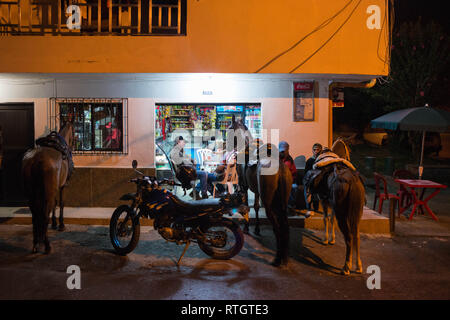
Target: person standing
x=316, y=149
x=283, y=148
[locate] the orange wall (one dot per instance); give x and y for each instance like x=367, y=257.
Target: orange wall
x=231, y=36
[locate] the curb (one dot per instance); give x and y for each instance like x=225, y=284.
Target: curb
x=373, y=226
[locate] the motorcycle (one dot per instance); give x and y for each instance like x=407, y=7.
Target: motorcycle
x=182, y=222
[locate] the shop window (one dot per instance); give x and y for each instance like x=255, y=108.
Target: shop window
x=99, y=124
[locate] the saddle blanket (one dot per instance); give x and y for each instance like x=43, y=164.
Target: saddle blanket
x=328, y=158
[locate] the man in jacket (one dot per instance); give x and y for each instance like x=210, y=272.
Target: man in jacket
x=316, y=149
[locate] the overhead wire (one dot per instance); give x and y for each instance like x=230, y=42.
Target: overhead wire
x=322, y=25
x=329, y=39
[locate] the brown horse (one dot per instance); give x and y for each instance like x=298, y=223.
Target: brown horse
x=275, y=188
x=45, y=172
x=341, y=187
x=341, y=149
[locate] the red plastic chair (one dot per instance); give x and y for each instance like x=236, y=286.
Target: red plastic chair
x=383, y=194
x=403, y=193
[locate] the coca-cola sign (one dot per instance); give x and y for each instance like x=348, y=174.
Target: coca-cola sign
x=303, y=101
x=303, y=86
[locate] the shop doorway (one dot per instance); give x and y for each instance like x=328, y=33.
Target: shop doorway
x=17, y=136
x=205, y=126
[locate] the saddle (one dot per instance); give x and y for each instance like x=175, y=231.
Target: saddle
x=328, y=158
x=323, y=166
x=57, y=142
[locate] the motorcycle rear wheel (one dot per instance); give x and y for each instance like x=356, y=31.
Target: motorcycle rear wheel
x=124, y=230
x=223, y=239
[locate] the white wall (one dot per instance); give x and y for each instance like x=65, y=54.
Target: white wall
x=274, y=94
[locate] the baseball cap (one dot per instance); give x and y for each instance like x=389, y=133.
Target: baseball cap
x=283, y=146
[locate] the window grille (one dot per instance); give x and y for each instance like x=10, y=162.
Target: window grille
x=100, y=124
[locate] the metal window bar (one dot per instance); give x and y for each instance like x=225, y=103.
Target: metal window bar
x=76, y=107
x=50, y=17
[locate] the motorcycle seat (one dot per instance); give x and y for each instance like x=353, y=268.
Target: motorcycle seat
x=198, y=206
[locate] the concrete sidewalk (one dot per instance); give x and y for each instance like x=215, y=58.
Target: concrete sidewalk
x=372, y=222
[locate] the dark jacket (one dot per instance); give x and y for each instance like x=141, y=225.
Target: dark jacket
x=309, y=164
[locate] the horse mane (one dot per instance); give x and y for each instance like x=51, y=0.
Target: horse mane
x=341, y=148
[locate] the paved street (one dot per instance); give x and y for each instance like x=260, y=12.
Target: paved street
x=412, y=267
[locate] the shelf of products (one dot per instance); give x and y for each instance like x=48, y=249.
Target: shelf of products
x=202, y=117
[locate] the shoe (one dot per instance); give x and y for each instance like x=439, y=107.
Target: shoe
x=204, y=196
x=309, y=213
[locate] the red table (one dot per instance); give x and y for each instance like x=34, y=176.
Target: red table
x=420, y=202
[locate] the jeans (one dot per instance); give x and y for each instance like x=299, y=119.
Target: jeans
x=202, y=186
x=292, y=201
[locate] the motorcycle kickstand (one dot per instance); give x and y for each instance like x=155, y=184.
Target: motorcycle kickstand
x=184, y=251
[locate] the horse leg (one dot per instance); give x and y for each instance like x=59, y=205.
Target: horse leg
x=62, y=227
x=256, y=206
x=284, y=237
x=48, y=249
x=276, y=230
x=356, y=241
x=333, y=227
x=325, y=221
x=50, y=204
x=348, y=236
x=35, y=232
x=54, y=219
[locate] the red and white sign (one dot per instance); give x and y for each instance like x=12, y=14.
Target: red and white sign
x=337, y=98
x=303, y=86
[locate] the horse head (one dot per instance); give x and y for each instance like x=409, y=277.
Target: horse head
x=240, y=132
x=341, y=148
x=67, y=132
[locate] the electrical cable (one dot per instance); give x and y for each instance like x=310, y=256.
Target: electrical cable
x=322, y=25
x=388, y=40
x=329, y=39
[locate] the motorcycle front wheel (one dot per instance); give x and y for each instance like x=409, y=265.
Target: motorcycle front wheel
x=221, y=239
x=124, y=230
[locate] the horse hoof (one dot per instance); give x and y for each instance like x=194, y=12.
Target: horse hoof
x=61, y=227
x=54, y=227
x=332, y=242
x=345, y=272
x=277, y=262
x=324, y=242
x=34, y=250
x=359, y=269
